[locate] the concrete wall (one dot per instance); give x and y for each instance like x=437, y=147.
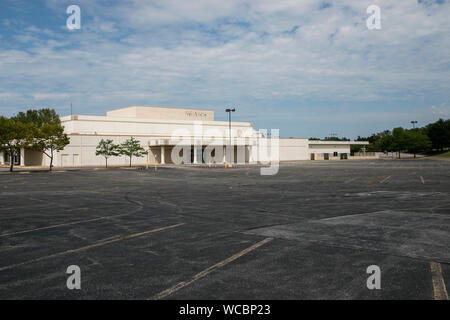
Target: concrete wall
x=292, y=149
x=329, y=148
x=144, y=112
x=376, y=156
x=81, y=152
x=156, y=128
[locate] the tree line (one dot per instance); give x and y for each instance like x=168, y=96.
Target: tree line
x=330, y=139
x=39, y=130
x=432, y=137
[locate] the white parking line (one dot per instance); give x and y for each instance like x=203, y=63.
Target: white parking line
x=207, y=271
x=61, y=225
x=98, y=244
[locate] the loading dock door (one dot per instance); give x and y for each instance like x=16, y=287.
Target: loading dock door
x=65, y=160
x=76, y=160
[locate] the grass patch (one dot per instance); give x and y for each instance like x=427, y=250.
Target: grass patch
x=443, y=155
x=440, y=154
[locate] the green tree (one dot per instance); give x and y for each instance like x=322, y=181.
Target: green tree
x=130, y=148
x=416, y=142
x=39, y=117
x=15, y=135
x=107, y=148
x=374, y=141
x=51, y=138
x=335, y=139
x=439, y=134
x=400, y=140
x=49, y=135
x=386, y=143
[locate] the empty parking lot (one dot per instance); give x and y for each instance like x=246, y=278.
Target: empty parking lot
x=308, y=232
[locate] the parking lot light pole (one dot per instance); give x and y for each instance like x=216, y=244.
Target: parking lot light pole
x=229, y=122
x=414, y=126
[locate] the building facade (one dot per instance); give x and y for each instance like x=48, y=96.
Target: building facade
x=175, y=136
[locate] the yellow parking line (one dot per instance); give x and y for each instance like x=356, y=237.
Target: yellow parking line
x=98, y=244
x=421, y=179
x=352, y=179
x=385, y=179
x=440, y=291
x=207, y=271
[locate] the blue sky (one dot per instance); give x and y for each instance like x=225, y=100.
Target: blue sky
x=309, y=68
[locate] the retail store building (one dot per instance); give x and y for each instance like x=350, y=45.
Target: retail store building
x=171, y=134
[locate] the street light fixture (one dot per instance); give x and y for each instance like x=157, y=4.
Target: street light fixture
x=229, y=121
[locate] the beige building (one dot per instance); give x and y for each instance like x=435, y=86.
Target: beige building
x=171, y=135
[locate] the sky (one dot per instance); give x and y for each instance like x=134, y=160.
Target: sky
x=309, y=68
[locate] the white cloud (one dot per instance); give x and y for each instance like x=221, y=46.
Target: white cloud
x=8, y=95
x=50, y=96
x=442, y=110
x=180, y=53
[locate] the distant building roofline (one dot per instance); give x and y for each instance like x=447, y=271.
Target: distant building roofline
x=337, y=142
x=178, y=108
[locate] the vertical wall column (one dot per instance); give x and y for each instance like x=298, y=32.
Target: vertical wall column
x=2, y=157
x=163, y=160
x=195, y=153
x=22, y=157
x=240, y=153
x=254, y=151
x=224, y=154
x=153, y=155
x=229, y=151
x=250, y=154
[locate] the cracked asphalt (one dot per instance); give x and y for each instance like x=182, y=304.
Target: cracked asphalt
x=309, y=232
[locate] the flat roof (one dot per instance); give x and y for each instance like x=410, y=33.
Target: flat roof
x=337, y=142
x=143, y=120
x=177, y=108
